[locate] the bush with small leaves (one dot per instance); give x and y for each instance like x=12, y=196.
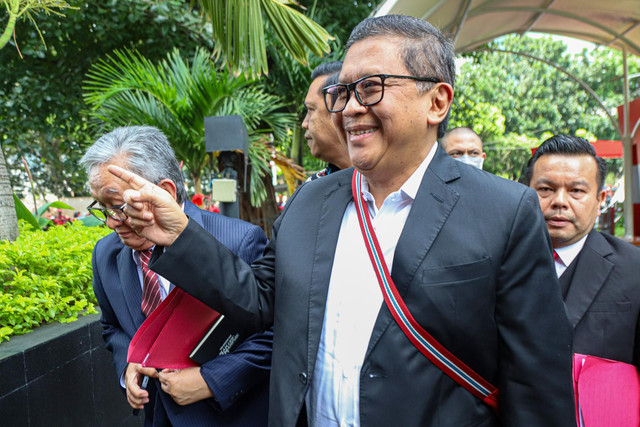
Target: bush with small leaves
x=46, y=277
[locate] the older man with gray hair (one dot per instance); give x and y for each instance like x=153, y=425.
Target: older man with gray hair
x=230, y=390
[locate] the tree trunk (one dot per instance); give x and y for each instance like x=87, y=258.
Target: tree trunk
x=8, y=219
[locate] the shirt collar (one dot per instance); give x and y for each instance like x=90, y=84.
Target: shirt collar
x=569, y=253
x=411, y=185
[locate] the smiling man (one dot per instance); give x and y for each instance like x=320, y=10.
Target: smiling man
x=598, y=272
x=489, y=294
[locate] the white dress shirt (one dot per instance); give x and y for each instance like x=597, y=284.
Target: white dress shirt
x=567, y=254
x=353, y=302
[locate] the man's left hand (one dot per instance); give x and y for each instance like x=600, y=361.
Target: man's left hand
x=185, y=386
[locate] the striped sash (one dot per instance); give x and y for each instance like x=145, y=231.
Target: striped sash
x=425, y=343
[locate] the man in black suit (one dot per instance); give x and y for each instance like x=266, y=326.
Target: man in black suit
x=487, y=293
x=230, y=390
x=599, y=273
x=324, y=141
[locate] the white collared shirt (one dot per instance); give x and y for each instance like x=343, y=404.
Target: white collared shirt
x=353, y=302
x=567, y=254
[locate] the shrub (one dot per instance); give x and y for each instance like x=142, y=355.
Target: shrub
x=46, y=277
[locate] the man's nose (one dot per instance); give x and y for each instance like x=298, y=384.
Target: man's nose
x=353, y=106
x=305, y=122
x=113, y=223
x=560, y=198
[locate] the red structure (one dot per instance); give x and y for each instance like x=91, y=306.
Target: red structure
x=634, y=129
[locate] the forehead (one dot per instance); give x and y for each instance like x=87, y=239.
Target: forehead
x=467, y=140
x=104, y=186
x=373, y=55
x=315, y=89
x=566, y=167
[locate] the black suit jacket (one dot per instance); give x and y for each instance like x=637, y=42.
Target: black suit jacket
x=474, y=266
x=239, y=380
x=603, y=300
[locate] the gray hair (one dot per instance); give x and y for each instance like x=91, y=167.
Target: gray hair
x=426, y=52
x=146, y=152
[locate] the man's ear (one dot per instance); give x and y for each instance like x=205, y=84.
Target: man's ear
x=440, y=102
x=602, y=196
x=169, y=186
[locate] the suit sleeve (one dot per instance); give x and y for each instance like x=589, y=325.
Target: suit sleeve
x=232, y=375
x=534, y=333
x=219, y=278
x=117, y=340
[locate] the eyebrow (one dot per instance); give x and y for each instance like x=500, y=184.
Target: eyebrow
x=570, y=183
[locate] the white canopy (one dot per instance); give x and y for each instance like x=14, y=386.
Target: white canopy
x=473, y=23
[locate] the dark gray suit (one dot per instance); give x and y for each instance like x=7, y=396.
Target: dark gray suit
x=473, y=265
x=603, y=298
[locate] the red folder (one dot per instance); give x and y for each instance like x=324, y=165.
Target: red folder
x=167, y=337
x=607, y=392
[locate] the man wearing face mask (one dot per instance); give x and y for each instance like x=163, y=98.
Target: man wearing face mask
x=464, y=145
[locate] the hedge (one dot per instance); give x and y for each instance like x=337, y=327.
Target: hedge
x=45, y=276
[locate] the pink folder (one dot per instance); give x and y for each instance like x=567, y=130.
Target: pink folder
x=169, y=334
x=607, y=392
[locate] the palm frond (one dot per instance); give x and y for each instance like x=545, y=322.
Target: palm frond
x=239, y=32
x=176, y=95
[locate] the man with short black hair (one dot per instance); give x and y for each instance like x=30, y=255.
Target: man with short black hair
x=598, y=272
x=323, y=139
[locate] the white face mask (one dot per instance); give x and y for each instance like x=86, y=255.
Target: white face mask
x=476, y=162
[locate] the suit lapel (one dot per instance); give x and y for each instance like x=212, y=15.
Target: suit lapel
x=433, y=203
x=130, y=284
x=336, y=197
x=591, y=272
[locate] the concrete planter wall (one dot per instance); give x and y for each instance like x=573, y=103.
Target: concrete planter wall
x=61, y=375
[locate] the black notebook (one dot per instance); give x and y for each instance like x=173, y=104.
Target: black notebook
x=222, y=338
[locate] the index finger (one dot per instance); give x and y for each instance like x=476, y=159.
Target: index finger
x=135, y=181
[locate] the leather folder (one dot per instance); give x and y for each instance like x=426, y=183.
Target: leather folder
x=607, y=392
x=176, y=328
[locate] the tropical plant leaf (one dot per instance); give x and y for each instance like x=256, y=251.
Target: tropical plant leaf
x=239, y=32
x=23, y=213
x=57, y=204
x=176, y=95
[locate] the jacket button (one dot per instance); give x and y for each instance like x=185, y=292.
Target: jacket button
x=303, y=378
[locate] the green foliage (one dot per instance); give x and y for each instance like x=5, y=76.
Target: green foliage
x=41, y=94
x=515, y=102
x=535, y=97
x=176, y=95
x=46, y=277
x=37, y=221
x=25, y=9
x=507, y=156
x=239, y=31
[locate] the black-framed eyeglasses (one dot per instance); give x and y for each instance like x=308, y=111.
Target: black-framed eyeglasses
x=369, y=90
x=115, y=212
